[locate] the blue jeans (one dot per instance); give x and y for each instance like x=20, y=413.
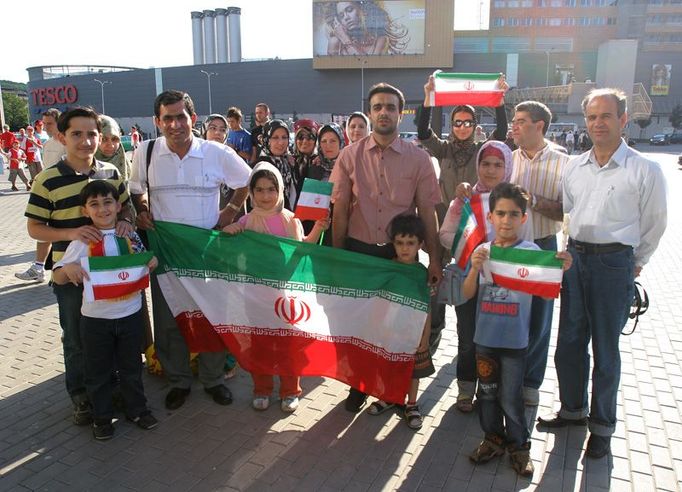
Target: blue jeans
x=113, y=345
x=540, y=330
x=500, y=394
x=596, y=296
x=69, y=301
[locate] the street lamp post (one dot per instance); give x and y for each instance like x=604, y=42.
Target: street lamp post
x=363, y=62
x=101, y=83
x=210, y=102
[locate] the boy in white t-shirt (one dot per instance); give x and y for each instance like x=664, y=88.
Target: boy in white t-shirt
x=111, y=331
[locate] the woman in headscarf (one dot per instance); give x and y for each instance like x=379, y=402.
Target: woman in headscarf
x=276, y=151
x=357, y=126
x=305, y=143
x=330, y=141
x=215, y=128
x=110, y=149
x=494, y=166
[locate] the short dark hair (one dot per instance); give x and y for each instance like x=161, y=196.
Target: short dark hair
x=64, y=121
x=52, y=112
x=384, y=88
x=166, y=98
x=234, y=112
x=537, y=112
x=95, y=188
x=618, y=96
x=263, y=173
x=407, y=225
x=509, y=191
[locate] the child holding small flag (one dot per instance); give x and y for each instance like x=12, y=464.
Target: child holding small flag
x=501, y=337
x=268, y=216
x=111, y=326
x=407, y=233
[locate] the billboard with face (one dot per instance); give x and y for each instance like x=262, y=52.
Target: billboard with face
x=368, y=28
x=660, y=79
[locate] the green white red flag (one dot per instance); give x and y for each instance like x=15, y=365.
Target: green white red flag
x=314, y=200
x=471, y=230
x=293, y=308
x=534, y=272
x=476, y=89
x=115, y=277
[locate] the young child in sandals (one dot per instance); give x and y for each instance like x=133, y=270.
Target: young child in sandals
x=407, y=234
x=269, y=216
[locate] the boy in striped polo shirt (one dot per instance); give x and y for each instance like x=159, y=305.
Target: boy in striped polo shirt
x=54, y=215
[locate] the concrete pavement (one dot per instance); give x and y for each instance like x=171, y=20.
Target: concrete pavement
x=203, y=446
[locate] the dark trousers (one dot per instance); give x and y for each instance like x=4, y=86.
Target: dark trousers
x=109, y=345
x=466, y=350
x=69, y=301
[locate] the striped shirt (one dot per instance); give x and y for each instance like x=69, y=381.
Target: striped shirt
x=55, y=200
x=541, y=175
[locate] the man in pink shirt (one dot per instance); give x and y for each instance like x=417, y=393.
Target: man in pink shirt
x=377, y=178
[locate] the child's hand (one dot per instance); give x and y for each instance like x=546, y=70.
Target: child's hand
x=233, y=229
x=323, y=223
x=153, y=263
x=568, y=259
x=463, y=191
x=479, y=257
x=75, y=273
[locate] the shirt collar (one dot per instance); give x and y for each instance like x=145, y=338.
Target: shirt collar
x=195, y=149
x=64, y=168
x=617, y=158
x=396, y=145
x=538, y=154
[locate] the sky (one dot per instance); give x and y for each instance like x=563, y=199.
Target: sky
x=155, y=33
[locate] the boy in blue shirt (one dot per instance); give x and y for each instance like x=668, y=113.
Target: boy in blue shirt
x=501, y=338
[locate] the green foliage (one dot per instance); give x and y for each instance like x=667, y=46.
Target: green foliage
x=676, y=117
x=16, y=111
x=13, y=86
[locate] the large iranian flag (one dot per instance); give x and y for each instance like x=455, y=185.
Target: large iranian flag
x=476, y=89
x=292, y=308
x=534, y=272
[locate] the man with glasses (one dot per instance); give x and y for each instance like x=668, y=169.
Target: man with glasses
x=537, y=167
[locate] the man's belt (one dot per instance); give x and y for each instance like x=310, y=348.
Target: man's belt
x=596, y=249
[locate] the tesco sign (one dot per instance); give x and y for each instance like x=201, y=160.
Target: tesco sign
x=47, y=96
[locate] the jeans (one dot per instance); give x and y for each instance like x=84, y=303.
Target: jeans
x=173, y=352
x=69, y=301
x=540, y=330
x=466, y=350
x=109, y=345
x=595, y=301
x=500, y=394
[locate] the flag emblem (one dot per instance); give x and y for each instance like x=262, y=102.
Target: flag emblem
x=292, y=310
x=523, y=272
x=123, y=276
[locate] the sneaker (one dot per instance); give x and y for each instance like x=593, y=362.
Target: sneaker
x=290, y=404
x=145, y=420
x=521, y=462
x=103, y=431
x=32, y=274
x=82, y=413
x=486, y=451
x=261, y=402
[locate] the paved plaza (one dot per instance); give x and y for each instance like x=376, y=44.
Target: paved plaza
x=203, y=446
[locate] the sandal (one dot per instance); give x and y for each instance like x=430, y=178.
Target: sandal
x=465, y=404
x=413, y=418
x=379, y=406
x=486, y=451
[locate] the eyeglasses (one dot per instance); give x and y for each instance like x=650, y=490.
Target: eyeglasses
x=301, y=138
x=464, y=123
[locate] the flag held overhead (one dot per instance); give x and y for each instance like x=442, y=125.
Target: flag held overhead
x=477, y=89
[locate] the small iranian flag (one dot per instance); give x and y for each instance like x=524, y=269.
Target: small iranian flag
x=471, y=231
x=477, y=89
x=115, y=277
x=531, y=271
x=313, y=204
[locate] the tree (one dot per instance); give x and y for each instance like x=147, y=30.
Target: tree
x=642, y=125
x=676, y=117
x=16, y=111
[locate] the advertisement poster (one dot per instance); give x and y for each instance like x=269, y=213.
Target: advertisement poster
x=660, y=79
x=368, y=28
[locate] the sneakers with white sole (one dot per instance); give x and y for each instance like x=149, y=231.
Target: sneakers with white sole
x=289, y=404
x=261, y=402
x=32, y=274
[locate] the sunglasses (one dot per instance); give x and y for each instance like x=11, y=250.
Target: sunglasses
x=464, y=123
x=301, y=138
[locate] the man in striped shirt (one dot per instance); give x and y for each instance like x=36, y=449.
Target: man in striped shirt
x=537, y=167
x=54, y=216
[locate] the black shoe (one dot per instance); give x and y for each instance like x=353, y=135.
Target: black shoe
x=82, y=413
x=555, y=420
x=145, y=420
x=221, y=394
x=176, y=398
x=598, y=446
x=355, y=401
x=103, y=431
